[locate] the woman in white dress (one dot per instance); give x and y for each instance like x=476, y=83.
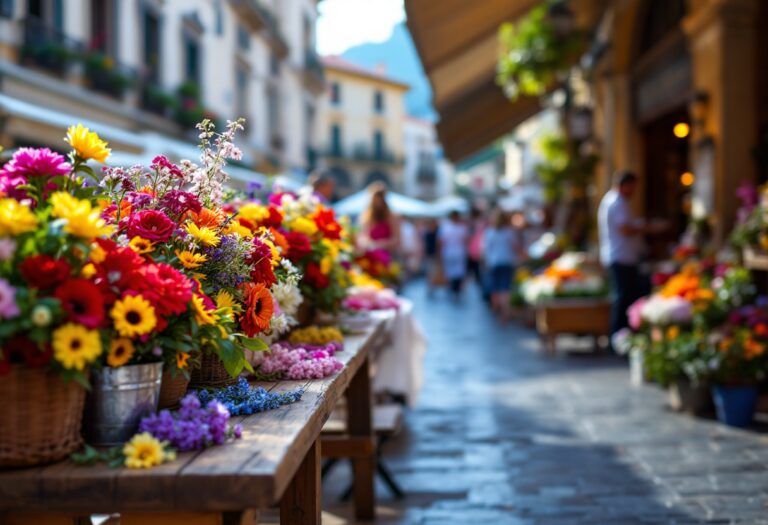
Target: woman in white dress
x=453, y=237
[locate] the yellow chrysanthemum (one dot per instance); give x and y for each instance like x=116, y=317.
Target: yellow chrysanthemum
x=144, y=451
x=225, y=301
x=133, y=316
x=75, y=346
x=190, y=260
x=236, y=227
x=120, y=352
x=16, y=218
x=140, y=245
x=83, y=220
x=205, y=236
x=303, y=225
x=202, y=315
x=326, y=265
x=253, y=212
x=87, y=143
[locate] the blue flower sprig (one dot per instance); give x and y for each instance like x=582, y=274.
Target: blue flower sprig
x=243, y=400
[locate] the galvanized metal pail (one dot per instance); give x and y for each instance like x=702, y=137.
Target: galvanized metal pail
x=118, y=399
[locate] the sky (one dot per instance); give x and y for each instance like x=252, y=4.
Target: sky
x=347, y=23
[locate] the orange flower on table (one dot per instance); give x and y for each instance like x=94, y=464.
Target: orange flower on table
x=279, y=240
x=258, y=309
x=760, y=330
x=681, y=285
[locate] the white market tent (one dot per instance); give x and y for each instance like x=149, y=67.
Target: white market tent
x=398, y=203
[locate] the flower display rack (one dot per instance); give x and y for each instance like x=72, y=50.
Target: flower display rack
x=581, y=317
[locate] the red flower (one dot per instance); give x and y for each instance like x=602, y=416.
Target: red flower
x=21, y=349
x=151, y=225
x=43, y=271
x=298, y=246
x=263, y=273
x=314, y=277
x=116, y=273
x=275, y=218
x=166, y=288
x=82, y=301
x=325, y=220
x=258, y=309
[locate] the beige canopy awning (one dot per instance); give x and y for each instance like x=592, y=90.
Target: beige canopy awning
x=457, y=41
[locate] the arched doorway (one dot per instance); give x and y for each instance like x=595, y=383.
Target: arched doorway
x=377, y=176
x=661, y=90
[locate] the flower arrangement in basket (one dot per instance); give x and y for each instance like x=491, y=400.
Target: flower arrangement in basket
x=51, y=310
x=572, y=275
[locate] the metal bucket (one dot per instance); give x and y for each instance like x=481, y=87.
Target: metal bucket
x=118, y=399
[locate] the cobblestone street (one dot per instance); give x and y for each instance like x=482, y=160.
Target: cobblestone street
x=505, y=435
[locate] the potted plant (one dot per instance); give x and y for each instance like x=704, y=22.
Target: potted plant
x=104, y=75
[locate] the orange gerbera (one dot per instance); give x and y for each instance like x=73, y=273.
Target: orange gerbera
x=258, y=309
x=681, y=285
x=280, y=240
x=207, y=218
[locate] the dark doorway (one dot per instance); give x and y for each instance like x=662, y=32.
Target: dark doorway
x=668, y=178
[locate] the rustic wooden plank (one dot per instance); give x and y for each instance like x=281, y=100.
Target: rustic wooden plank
x=360, y=424
x=341, y=447
x=239, y=475
x=301, y=503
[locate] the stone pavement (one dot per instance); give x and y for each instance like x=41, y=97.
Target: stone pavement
x=505, y=435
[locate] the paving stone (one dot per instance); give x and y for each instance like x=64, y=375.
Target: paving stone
x=505, y=435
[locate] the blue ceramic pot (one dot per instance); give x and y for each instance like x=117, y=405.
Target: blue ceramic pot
x=735, y=405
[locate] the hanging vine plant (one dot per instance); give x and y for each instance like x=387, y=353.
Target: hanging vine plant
x=534, y=52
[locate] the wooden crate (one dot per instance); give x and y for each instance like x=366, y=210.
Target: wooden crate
x=583, y=317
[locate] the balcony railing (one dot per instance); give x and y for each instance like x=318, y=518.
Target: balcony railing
x=47, y=47
x=363, y=153
x=106, y=75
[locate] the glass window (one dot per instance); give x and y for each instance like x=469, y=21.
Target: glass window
x=241, y=83
x=6, y=8
x=378, y=101
x=243, y=38
x=336, y=140
x=378, y=144
x=191, y=60
x=335, y=93
x=152, y=45
x=219, y=14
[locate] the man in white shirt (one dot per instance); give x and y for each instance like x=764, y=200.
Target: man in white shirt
x=621, y=237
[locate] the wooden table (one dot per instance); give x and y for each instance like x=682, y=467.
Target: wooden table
x=578, y=316
x=277, y=462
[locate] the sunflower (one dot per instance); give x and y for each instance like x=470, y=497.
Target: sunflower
x=16, y=218
x=74, y=346
x=181, y=360
x=205, y=236
x=133, y=315
x=259, y=307
x=120, y=352
x=140, y=245
x=87, y=143
x=190, y=260
x=144, y=451
x=202, y=314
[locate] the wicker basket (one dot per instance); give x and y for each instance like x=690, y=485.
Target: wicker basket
x=172, y=389
x=210, y=374
x=41, y=417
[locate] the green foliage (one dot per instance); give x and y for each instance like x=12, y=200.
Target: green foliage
x=561, y=169
x=533, y=56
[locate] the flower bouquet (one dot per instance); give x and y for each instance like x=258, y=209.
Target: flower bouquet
x=571, y=275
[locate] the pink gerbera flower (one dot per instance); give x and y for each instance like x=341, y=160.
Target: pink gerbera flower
x=31, y=162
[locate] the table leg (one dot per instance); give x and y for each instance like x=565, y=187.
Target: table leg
x=301, y=502
x=360, y=424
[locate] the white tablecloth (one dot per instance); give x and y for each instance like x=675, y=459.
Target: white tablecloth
x=399, y=367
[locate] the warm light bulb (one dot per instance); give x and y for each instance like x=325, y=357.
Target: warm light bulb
x=681, y=130
x=687, y=179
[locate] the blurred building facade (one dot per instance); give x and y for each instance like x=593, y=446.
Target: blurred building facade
x=361, y=121
x=426, y=173
x=145, y=71
x=648, y=66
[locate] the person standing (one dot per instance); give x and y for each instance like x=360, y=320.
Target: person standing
x=452, y=238
x=323, y=184
x=621, y=243
x=380, y=228
x=501, y=248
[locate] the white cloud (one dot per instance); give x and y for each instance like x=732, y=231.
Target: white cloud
x=346, y=23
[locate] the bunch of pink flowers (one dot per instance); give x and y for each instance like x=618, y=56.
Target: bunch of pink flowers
x=287, y=361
